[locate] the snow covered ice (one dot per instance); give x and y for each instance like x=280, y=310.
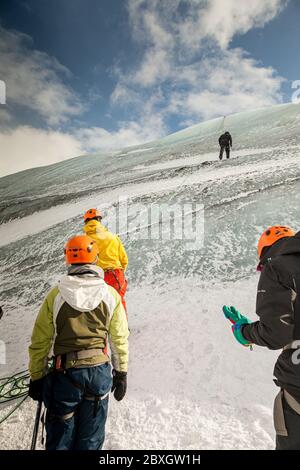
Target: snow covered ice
x=191, y=385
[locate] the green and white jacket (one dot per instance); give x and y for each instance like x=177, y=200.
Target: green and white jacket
x=80, y=313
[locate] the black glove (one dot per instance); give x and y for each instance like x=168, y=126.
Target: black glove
x=119, y=385
x=36, y=389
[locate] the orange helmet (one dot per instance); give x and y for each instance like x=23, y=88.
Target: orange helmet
x=81, y=249
x=92, y=214
x=272, y=235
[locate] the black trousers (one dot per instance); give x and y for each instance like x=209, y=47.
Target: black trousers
x=224, y=147
x=292, y=422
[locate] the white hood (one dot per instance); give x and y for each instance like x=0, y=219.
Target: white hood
x=82, y=292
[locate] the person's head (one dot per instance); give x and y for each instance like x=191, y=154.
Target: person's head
x=271, y=236
x=227, y=133
x=92, y=214
x=81, y=249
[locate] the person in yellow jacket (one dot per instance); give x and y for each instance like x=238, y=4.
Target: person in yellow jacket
x=112, y=255
x=72, y=327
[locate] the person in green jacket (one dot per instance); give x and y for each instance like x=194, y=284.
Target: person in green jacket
x=73, y=325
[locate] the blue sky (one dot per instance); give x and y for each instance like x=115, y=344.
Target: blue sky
x=91, y=75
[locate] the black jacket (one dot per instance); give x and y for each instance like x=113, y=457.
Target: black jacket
x=225, y=140
x=278, y=308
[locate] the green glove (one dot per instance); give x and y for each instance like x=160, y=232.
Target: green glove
x=237, y=331
x=238, y=321
x=232, y=314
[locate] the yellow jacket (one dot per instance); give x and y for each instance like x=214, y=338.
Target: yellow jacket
x=112, y=254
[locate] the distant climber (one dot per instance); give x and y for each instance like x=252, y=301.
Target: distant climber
x=225, y=141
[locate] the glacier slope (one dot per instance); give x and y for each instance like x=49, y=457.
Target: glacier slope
x=190, y=384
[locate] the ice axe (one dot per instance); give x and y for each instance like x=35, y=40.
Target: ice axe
x=36, y=425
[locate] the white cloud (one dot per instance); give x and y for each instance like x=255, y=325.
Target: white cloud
x=26, y=147
x=123, y=95
x=174, y=33
x=128, y=134
x=170, y=79
x=155, y=67
x=99, y=139
x=221, y=20
x=169, y=22
x=33, y=79
x=149, y=29
x=234, y=84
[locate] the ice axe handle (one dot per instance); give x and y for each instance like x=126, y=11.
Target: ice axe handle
x=36, y=425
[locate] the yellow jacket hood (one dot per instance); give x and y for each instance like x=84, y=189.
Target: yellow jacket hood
x=93, y=227
x=112, y=254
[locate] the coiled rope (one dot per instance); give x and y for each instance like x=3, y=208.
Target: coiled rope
x=13, y=388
